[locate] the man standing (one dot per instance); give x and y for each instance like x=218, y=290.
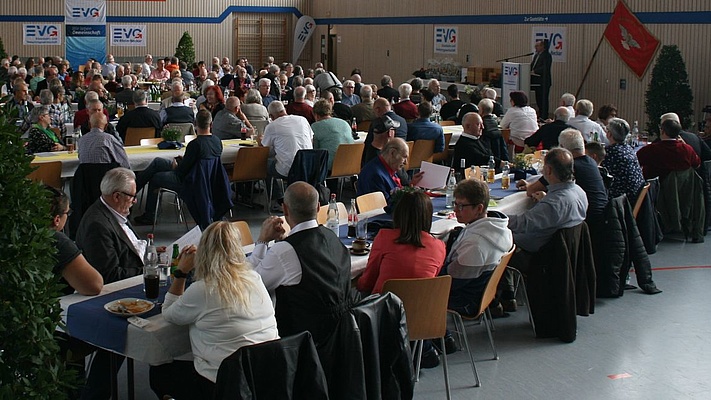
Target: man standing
x=140, y=117
x=284, y=136
x=541, y=76
x=99, y=147
x=227, y=124
x=299, y=107
x=307, y=273
x=109, y=67
x=147, y=66
x=424, y=129
x=667, y=155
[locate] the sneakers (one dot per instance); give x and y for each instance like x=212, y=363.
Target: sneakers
x=509, y=305
x=430, y=358
x=143, y=220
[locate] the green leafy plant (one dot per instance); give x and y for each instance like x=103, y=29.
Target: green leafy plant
x=30, y=364
x=669, y=90
x=522, y=161
x=186, y=49
x=171, y=134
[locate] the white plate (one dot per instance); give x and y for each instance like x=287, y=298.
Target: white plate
x=135, y=307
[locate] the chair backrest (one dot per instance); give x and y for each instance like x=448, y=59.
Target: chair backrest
x=421, y=151
x=447, y=123
x=85, y=189
x=426, y=315
x=244, y=232
x=490, y=290
x=410, y=146
x=259, y=125
x=189, y=138
x=287, y=368
x=363, y=126
x=346, y=162
x=49, y=173
x=444, y=154
x=134, y=135
x=371, y=201
x=151, y=141
x=640, y=200
x=250, y=164
x=56, y=131
x=186, y=128
x=206, y=191
x=323, y=213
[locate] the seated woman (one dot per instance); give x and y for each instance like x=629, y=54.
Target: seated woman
x=520, y=118
x=71, y=266
x=406, y=251
x=253, y=108
x=40, y=137
x=214, y=100
x=227, y=307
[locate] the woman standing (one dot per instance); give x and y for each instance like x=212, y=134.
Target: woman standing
x=41, y=138
x=227, y=307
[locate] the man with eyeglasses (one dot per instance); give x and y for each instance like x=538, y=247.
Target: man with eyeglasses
x=349, y=97
x=477, y=249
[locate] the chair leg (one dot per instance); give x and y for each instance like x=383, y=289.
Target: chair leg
x=459, y=323
x=446, y=369
x=491, y=320
x=182, y=215
x=491, y=338
x=418, y=358
x=520, y=282
x=157, y=212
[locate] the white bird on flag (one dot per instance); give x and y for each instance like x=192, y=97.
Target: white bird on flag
x=627, y=39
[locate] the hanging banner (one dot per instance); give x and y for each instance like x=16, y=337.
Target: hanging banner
x=557, y=40
x=445, y=39
x=85, y=24
x=305, y=27
x=631, y=40
x=41, y=34
x=128, y=35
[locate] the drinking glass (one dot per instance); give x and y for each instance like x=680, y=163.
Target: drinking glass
x=362, y=229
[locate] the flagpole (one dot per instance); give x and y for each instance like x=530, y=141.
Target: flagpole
x=587, y=70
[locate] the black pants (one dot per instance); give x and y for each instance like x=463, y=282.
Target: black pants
x=542, y=95
x=180, y=380
x=98, y=383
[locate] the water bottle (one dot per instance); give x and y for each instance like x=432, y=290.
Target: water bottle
x=635, y=134
x=332, y=221
x=352, y=219
x=505, y=181
x=451, y=183
x=77, y=136
x=491, y=170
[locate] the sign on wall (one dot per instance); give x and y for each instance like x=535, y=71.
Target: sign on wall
x=85, y=24
x=41, y=34
x=557, y=39
x=445, y=39
x=305, y=27
x=85, y=12
x=128, y=35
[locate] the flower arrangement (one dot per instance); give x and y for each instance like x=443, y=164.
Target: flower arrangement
x=171, y=134
x=522, y=161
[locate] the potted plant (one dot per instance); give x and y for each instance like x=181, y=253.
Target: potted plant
x=669, y=90
x=521, y=165
x=171, y=138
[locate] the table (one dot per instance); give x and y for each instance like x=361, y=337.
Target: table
x=154, y=105
x=139, y=156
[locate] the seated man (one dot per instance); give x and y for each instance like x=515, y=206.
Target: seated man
x=284, y=136
x=99, y=147
x=470, y=146
x=700, y=147
x=81, y=118
x=173, y=109
x=299, y=107
x=548, y=133
x=169, y=174
x=264, y=90
x=125, y=96
x=384, y=173
x=140, y=117
x=405, y=107
x=478, y=248
x=308, y=273
x=491, y=134
x=349, y=97
x=582, y=122
x=424, y=129
x=375, y=141
x=227, y=124
x=667, y=155
x=363, y=111
x=451, y=108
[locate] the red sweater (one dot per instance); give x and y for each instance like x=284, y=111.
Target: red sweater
x=662, y=157
x=390, y=260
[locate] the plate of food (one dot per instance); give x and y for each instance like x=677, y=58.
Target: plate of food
x=129, y=307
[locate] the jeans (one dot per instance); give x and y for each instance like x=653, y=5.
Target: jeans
x=159, y=174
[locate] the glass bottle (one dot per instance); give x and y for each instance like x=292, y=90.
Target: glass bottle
x=505, y=181
x=451, y=183
x=332, y=221
x=491, y=170
x=352, y=219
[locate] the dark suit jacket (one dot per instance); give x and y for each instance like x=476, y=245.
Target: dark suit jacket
x=106, y=246
x=548, y=134
x=140, y=117
x=389, y=93
x=342, y=111
x=125, y=96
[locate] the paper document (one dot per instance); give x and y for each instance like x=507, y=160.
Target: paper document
x=435, y=175
x=192, y=237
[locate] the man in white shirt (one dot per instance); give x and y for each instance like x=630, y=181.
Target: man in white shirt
x=308, y=272
x=586, y=126
x=147, y=66
x=285, y=135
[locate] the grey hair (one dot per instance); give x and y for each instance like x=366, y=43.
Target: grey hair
x=584, y=107
x=117, y=180
x=619, y=129
x=490, y=93
x=263, y=80
x=572, y=140
x=276, y=108
x=89, y=96
x=562, y=114
x=205, y=85
x=568, y=99
x=302, y=201
x=126, y=80
x=253, y=97
x=486, y=106
x=366, y=92
x=46, y=97
x=561, y=161
x=140, y=97
x=300, y=93
x=405, y=89
x=37, y=112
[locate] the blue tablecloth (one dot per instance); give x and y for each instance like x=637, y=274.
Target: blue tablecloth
x=90, y=322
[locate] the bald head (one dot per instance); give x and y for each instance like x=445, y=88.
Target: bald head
x=472, y=124
x=301, y=203
x=232, y=104
x=381, y=106
x=97, y=120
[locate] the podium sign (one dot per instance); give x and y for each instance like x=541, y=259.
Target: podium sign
x=515, y=77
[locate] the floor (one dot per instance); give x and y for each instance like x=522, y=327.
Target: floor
x=635, y=347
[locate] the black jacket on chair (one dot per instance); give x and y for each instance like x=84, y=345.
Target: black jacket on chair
x=85, y=189
x=206, y=191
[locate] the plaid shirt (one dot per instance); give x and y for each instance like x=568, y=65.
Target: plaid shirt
x=57, y=114
x=99, y=147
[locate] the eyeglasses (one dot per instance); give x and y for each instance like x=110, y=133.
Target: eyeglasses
x=132, y=196
x=460, y=207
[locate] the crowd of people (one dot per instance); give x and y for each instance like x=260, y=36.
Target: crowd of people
x=306, y=273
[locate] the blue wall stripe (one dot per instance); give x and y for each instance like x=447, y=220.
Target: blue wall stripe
x=690, y=17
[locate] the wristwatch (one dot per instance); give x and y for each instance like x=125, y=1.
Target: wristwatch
x=179, y=274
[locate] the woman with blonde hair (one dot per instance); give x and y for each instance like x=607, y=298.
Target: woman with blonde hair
x=227, y=307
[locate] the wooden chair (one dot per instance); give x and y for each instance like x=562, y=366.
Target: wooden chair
x=134, y=135
x=251, y=166
x=186, y=129
x=371, y=201
x=151, y=141
x=487, y=298
x=244, y=232
x=426, y=315
x=410, y=146
x=443, y=155
x=640, y=200
x=422, y=150
x=447, y=123
x=346, y=163
x=363, y=126
x=323, y=213
x=49, y=173
x=189, y=138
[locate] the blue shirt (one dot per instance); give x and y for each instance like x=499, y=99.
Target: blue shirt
x=424, y=129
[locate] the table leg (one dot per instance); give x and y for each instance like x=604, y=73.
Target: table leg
x=130, y=377
x=114, y=372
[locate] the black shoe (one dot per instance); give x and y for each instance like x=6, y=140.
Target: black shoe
x=650, y=288
x=497, y=311
x=430, y=359
x=630, y=287
x=509, y=305
x=450, y=345
x=143, y=220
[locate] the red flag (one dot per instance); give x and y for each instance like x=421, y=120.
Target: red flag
x=630, y=39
